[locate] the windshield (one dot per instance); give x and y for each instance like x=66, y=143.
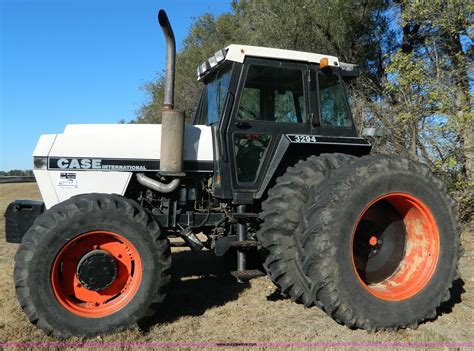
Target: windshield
x=213, y=98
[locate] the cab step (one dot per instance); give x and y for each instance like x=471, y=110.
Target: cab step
x=248, y=274
x=245, y=217
x=225, y=243
x=245, y=244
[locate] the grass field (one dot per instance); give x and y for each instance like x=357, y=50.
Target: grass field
x=206, y=304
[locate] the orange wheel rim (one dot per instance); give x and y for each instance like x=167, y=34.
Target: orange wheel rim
x=71, y=292
x=395, y=246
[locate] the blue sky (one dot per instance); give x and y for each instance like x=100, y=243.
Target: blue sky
x=79, y=61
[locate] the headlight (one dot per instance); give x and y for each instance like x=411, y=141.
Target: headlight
x=220, y=55
x=40, y=162
x=212, y=61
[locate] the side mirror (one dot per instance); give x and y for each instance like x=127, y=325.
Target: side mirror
x=372, y=132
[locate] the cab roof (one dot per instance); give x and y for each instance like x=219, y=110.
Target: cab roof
x=238, y=53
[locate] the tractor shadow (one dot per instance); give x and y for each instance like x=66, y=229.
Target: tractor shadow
x=456, y=291
x=200, y=281
x=455, y=297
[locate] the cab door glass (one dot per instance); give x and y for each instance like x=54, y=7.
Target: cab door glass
x=273, y=94
x=250, y=149
x=334, y=110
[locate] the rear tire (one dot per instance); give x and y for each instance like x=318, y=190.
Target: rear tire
x=281, y=217
x=58, y=291
x=379, y=243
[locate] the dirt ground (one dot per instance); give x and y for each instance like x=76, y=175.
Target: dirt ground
x=206, y=304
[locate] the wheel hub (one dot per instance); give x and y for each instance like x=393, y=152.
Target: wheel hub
x=395, y=246
x=379, y=243
x=97, y=270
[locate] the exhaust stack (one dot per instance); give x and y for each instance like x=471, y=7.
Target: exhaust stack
x=172, y=122
x=170, y=59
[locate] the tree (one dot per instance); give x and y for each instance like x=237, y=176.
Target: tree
x=435, y=45
x=427, y=103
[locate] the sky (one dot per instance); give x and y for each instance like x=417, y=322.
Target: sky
x=79, y=61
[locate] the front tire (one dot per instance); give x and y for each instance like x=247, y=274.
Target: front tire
x=93, y=264
x=379, y=243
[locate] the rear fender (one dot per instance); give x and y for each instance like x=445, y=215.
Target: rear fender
x=295, y=147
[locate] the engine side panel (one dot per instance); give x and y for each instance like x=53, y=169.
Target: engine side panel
x=48, y=191
x=58, y=186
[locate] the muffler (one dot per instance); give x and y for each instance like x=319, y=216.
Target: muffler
x=172, y=135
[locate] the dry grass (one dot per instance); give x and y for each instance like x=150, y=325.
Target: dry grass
x=206, y=304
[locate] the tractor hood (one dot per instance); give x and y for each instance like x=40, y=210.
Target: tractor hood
x=119, y=147
x=102, y=158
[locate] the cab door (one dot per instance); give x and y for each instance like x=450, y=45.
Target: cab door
x=272, y=100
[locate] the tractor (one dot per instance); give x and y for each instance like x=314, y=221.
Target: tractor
x=272, y=166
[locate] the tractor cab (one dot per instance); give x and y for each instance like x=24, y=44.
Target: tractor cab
x=265, y=107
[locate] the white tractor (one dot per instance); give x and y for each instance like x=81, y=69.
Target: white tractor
x=273, y=165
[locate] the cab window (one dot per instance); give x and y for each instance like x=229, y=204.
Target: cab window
x=334, y=110
x=273, y=94
x=213, y=98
